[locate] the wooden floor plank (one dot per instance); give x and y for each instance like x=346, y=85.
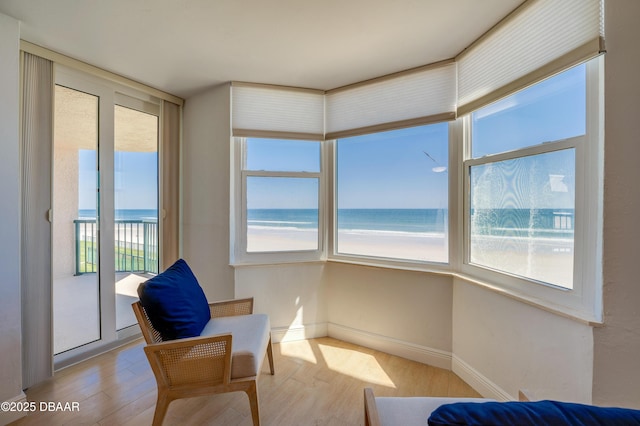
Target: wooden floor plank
x=317, y=382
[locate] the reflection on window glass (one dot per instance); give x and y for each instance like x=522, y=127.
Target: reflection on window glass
x=522, y=216
x=282, y=214
x=392, y=194
x=552, y=110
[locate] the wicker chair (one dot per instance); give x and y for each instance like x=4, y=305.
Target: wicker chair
x=200, y=365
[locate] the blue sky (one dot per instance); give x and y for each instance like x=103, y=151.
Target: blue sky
x=515, y=121
x=391, y=169
x=383, y=170
x=549, y=111
x=135, y=180
x=287, y=156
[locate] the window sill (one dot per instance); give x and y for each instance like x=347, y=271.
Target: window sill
x=432, y=268
x=247, y=264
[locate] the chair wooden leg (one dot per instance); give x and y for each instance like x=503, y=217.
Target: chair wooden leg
x=252, y=393
x=270, y=356
x=161, y=408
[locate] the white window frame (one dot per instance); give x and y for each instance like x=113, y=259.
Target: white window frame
x=584, y=301
x=392, y=263
x=240, y=255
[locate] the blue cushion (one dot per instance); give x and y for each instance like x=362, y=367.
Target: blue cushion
x=538, y=413
x=175, y=302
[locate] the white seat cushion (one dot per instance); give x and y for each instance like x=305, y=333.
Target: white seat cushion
x=412, y=411
x=250, y=337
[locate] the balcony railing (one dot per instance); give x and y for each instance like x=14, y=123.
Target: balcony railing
x=136, y=246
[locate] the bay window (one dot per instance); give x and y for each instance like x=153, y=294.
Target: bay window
x=512, y=123
x=532, y=190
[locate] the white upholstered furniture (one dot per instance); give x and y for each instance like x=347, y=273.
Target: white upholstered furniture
x=226, y=357
x=405, y=411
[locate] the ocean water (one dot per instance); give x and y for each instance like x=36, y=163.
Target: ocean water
x=557, y=223
x=122, y=214
x=283, y=218
x=387, y=220
x=393, y=220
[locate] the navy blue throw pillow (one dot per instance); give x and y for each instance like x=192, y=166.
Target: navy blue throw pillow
x=539, y=413
x=175, y=302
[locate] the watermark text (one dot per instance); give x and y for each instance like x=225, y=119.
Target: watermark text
x=32, y=406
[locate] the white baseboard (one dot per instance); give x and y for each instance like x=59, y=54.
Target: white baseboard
x=423, y=354
x=7, y=417
x=478, y=381
x=290, y=334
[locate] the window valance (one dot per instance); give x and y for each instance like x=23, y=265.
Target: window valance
x=537, y=40
x=260, y=110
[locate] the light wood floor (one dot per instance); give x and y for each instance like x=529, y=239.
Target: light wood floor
x=317, y=382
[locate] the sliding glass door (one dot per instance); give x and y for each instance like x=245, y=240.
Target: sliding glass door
x=105, y=211
x=136, y=201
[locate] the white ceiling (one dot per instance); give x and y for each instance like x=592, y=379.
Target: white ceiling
x=184, y=46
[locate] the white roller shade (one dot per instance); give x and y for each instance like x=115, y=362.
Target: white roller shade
x=539, y=39
x=405, y=99
x=275, y=111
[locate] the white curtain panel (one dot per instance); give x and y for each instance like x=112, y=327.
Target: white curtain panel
x=36, y=152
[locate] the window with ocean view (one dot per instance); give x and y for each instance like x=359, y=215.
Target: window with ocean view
x=522, y=180
x=521, y=218
x=392, y=194
x=281, y=180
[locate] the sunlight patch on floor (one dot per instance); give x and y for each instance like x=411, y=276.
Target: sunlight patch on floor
x=368, y=369
x=301, y=350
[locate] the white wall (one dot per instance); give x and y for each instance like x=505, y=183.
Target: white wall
x=406, y=313
x=10, y=312
x=206, y=165
x=501, y=346
x=294, y=296
x=617, y=344
x=401, y=312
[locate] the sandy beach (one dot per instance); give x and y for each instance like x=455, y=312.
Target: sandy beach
x=269, y=239
x=393, y=245
x=543, y=259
